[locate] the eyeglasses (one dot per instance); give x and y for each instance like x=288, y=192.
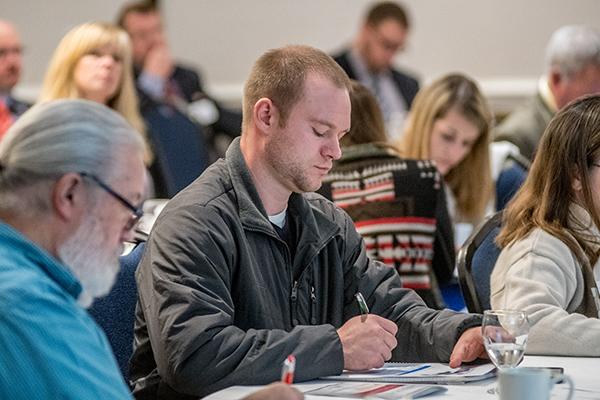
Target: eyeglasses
x=137, y=212
x=392, y=45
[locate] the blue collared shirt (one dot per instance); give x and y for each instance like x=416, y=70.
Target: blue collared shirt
x=50, y=348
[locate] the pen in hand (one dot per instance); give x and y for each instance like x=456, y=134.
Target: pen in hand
x=287, y=372
x=362, y=306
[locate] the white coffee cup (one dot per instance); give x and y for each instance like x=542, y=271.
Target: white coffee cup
x=528, y=383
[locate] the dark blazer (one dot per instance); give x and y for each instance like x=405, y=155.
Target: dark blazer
x=182, y=147
x=406, y=84
x=189, y=83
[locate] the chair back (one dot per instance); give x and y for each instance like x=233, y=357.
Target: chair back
x=475, y=262
x=115, y=313
x=513, y=174
x=180, y=148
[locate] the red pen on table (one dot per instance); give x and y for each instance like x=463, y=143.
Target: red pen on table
x=287, y=372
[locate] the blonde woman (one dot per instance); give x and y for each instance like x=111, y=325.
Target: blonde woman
x=93, y=61
x=449, y=123
x=550, y=239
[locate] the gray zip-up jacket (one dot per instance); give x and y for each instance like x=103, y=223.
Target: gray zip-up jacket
x=218, y=304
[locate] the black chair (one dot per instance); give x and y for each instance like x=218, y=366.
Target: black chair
x=475, y=262
x=513, y=174
x=180, y=149
x=115, y=313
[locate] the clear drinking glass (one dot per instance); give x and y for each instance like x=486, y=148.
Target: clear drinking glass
x=505, y=336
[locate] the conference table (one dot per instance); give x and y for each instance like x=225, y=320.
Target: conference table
x=584, y=371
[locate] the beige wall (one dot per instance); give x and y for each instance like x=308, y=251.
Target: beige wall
x=498, y=42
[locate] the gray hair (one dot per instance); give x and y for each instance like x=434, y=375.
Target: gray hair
x=572, y=48
x=55, y=138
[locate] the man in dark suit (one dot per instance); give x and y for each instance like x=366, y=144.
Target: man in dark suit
x=369, y=61
x=10, y=73
x=160, y=79
x=187, y=128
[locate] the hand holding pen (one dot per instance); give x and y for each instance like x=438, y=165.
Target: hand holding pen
x=362, y=306
x=367, y=340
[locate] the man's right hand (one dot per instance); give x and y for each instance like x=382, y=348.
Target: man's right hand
x=158, y=61
x=367, y=344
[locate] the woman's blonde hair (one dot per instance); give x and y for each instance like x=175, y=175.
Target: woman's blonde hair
x=59, y=81
x=569, y=150
x=471, y=179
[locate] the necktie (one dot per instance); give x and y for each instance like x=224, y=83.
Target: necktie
x=6, y=118
x=377, y=91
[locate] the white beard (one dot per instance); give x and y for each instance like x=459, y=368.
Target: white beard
x=87, y=256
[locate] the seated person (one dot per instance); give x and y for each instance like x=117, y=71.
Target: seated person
x=160, y=80
x=383, y=36
x=398, y=205
x=70, y=174
x=246, y=266
x=550, y=240
x=572, y=70
x=11, y=52
x=450, y=124
x=60, y=239
x=93, y=62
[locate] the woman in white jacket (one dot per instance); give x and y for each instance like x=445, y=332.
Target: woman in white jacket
x=550, y=238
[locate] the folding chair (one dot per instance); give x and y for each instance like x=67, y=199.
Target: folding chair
x=475, y=262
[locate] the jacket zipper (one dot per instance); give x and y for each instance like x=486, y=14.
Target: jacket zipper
x=294, y=298
x=313, y=306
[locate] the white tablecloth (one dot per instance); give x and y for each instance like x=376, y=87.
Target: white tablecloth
x=585, y=372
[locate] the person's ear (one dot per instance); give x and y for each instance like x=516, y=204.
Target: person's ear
x=555, y=83
x=68, y=196
x=266, y=115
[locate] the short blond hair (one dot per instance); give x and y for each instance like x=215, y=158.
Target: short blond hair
x=59, y=81
x=280, y=74
x=471, y=180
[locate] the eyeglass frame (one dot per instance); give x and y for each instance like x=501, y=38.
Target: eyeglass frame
x=137, y=212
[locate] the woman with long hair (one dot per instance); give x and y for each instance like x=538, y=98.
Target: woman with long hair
x=550, y=239
x=93, y=61
x=449, y=123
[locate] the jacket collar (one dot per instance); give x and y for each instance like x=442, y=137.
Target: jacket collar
x=50, y=266
x=317, y=226
x=581, y=222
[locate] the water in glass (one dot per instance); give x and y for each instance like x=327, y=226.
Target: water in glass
x=505, y=336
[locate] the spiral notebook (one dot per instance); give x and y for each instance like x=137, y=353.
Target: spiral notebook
x=419, y=373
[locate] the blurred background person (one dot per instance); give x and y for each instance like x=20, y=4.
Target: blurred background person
x=550, y=239
x=161, y=80
x=93, y=62
x=572, y=70
x=11, y=51
x=450, y=124
x=369, y=60
x=398, y=205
